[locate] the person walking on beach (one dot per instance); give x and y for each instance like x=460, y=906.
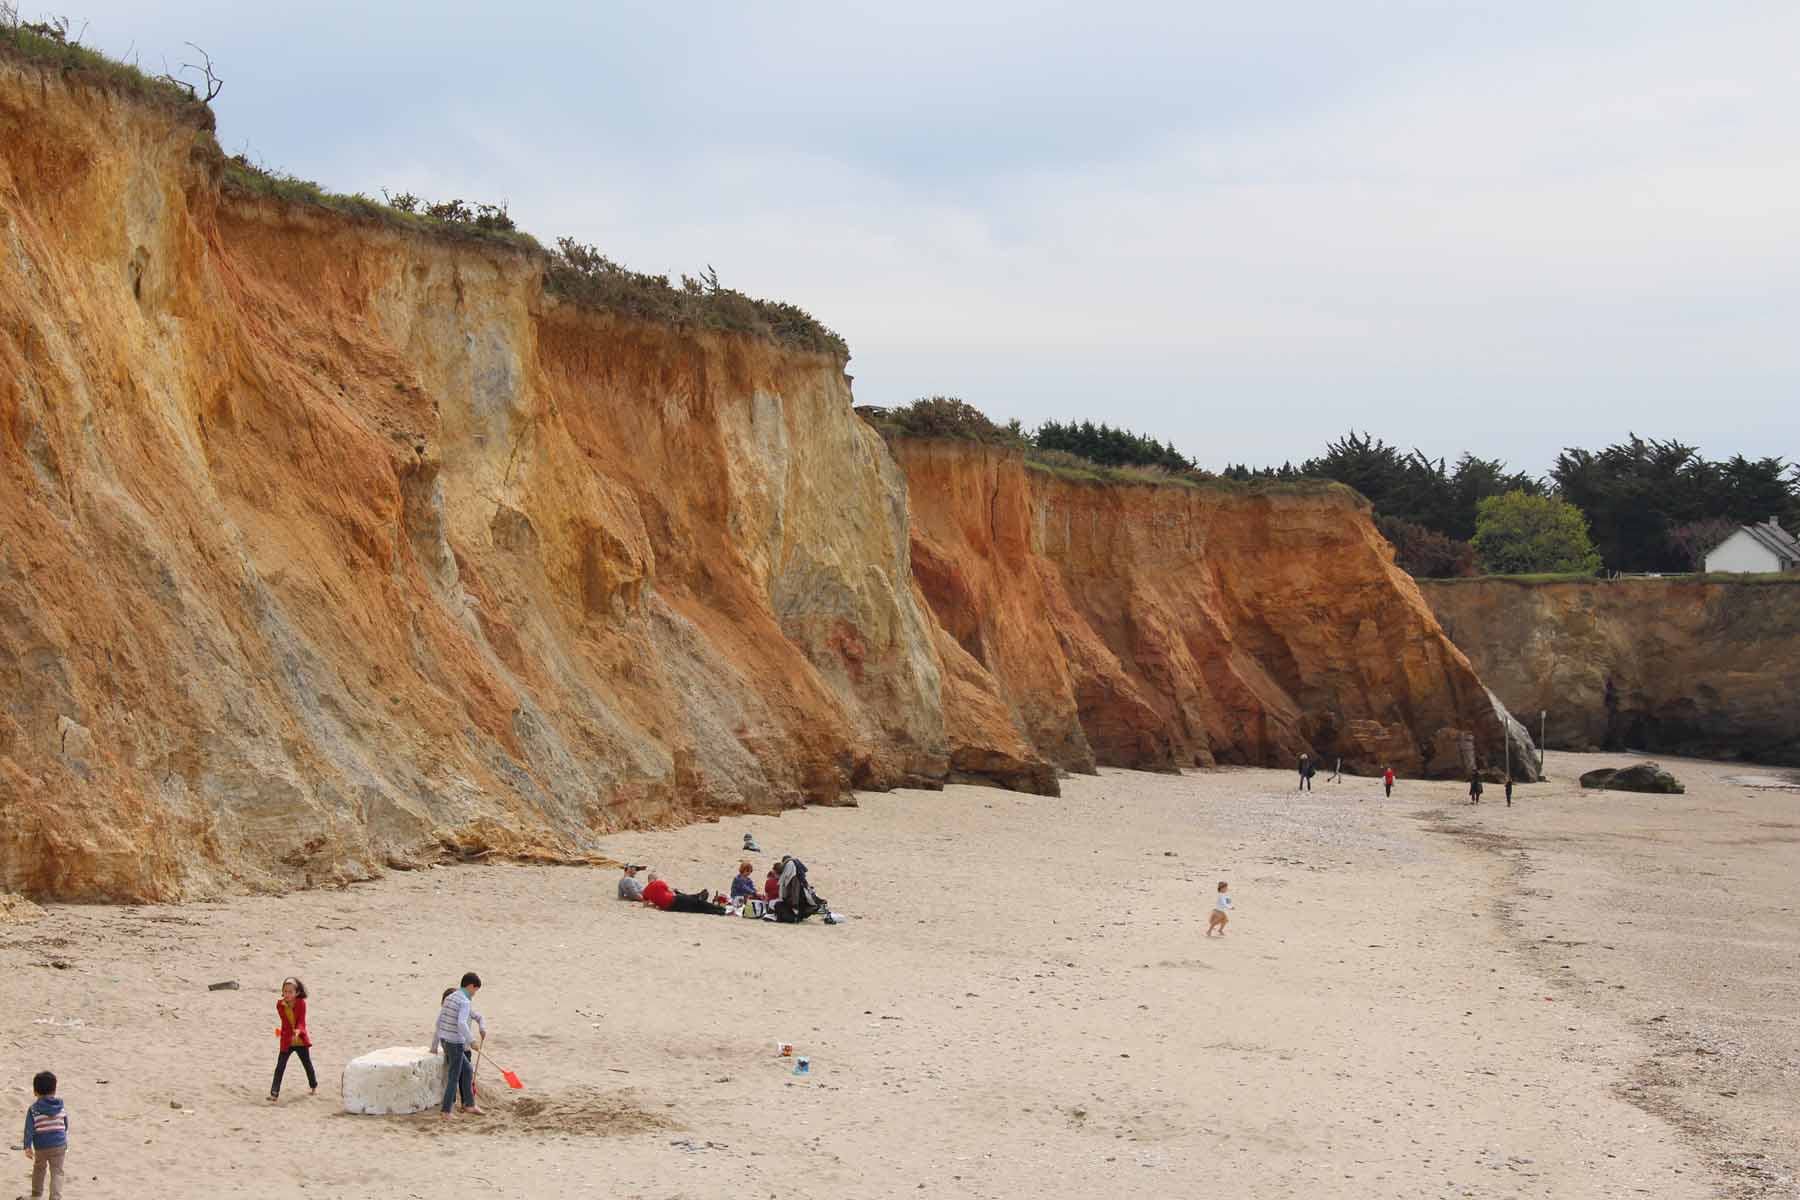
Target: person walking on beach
x=1221, y=912
x=1387, y=781
x=1509, y=789
x=295, y=1040
x=46, y=1136
x=1474, y=787
x=1306, y=773
x=455, y=1034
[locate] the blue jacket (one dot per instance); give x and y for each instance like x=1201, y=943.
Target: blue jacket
x=46, y=1124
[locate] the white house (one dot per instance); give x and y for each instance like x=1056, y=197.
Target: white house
x=1756, y=548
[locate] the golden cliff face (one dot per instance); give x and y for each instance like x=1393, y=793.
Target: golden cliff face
x=323, y=545
x=1700, y=667
x=326, y=546
x=1163, y=627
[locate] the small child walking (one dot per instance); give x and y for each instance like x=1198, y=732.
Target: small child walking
x=46, y=1136
x=1221, y=912
x=291, y=1008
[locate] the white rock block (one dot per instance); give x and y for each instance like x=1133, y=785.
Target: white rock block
x=399, y=1079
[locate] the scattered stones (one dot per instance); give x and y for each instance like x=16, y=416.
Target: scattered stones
x=228, y=985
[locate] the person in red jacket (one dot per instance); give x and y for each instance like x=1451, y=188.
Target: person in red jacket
x=772, y=885
x=291, y=1008
x=658, y=892
x=1387, y=780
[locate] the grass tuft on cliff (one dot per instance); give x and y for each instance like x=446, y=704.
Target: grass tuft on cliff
x=577, y=273
x=583, y=275
x=950, y=418
x=452, y=219
x=47, y=43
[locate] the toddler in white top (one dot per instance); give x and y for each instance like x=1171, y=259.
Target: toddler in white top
x=1221, y=912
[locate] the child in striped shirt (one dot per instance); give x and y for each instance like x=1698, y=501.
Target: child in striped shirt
x=46, y=1136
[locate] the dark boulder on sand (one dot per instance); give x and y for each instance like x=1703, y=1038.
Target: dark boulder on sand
x=1639, y=777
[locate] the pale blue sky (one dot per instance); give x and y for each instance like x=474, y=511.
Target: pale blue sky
x=1244, y=228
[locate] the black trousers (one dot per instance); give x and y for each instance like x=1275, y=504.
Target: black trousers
x=697, y=902
x=312, y=1080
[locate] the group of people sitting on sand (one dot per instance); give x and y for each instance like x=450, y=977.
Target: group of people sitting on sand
x=785, y=895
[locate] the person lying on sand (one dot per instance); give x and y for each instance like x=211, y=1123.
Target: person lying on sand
x=630, y=887
x=659, y=894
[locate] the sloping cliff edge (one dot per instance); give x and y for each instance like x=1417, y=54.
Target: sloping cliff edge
x=326, y=546
x=1695, y=667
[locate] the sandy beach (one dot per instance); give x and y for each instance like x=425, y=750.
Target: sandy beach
x=1586, y=995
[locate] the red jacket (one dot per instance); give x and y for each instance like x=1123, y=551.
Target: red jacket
x=772, y=887
x=659, y=893
x=293, y=1024
x=1387, y=776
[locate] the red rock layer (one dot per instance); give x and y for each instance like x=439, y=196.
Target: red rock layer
x=1167, y=626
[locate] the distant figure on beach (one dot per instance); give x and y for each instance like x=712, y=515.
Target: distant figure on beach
x=1387, y=780
x=1337, y=771
x=750, y=845
x=456, y=1034
x=1474, y=788
x=743, y=884
x=1509, y=789
x=1221, y=912
x=1306, y=773
x=295, y=1040
x=630, y=888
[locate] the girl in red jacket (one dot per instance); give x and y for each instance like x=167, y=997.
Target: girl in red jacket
x=291, y=1008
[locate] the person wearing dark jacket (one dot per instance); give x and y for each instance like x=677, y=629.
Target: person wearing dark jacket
x=1474, y=788
x=1306, y=773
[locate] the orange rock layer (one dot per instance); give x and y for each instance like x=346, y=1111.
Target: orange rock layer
x=326, y=546
x=1163, y=626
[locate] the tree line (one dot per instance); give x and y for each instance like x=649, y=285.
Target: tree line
x=1638, y=505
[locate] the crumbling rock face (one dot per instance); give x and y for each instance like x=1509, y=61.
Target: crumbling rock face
x=324, y=546
x=327, y=547
x=1164, y=627
x=1671, y=666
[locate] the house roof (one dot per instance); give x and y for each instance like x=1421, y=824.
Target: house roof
x=1774, y=539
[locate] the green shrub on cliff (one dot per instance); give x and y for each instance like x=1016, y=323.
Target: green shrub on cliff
x=947, y=417
x=1518, y=533
x=1108, y=446
x=583, y=275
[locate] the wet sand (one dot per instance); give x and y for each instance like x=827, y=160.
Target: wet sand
x=1587, y=995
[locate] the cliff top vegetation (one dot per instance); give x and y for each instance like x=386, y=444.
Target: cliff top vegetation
x=577, y=273
x=1117, y=456
x=48, y=43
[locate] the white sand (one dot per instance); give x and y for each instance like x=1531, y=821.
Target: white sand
x=1022, y=1006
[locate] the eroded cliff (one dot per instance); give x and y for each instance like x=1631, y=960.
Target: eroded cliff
x=326, y=545
x=323, y=544
x=1674, y=666
x=1166, y=626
